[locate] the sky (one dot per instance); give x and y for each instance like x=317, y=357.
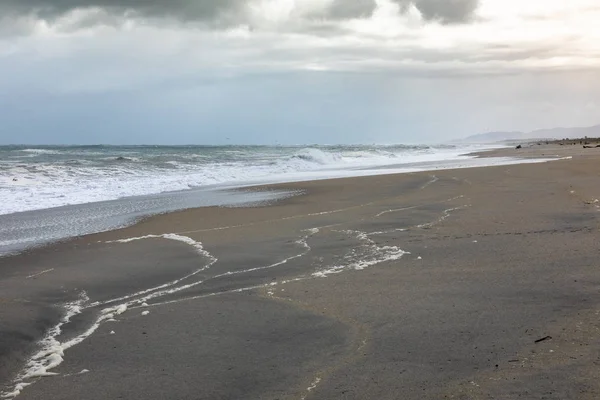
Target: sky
x=293, y=71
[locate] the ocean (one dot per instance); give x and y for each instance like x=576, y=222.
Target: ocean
x=49, y=193
x=38, y=177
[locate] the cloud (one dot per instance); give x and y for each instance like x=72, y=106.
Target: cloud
x=184, y=10
x=351, y=9
x=447, y=11
x=127, y=44
x=220, y=13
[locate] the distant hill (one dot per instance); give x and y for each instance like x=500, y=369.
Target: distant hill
x=491, y=137
x=554, y=133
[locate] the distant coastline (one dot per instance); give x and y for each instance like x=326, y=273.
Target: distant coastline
x=540, y=134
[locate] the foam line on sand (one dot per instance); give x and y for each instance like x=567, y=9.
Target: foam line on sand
x=170, y=236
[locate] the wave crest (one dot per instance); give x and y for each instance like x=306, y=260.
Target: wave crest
x=317, y=156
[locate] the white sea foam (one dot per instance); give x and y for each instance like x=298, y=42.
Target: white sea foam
x=239, y=290
x=40, y=151
x=314, y=384
x=170, y=236
x=302, y=242
x=52, y=353
x=395, y=210
x=54, y=179
x=161, y=288
x=433, y=180
x=16, y=390
x=445, y=215
x=365, y=256
x=386, y=231
x=40, y=273
x=336, y=269
x=51, y=350
x=312, y=387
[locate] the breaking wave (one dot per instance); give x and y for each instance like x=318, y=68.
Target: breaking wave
x=52, y=176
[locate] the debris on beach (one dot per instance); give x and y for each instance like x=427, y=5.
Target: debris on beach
x=543, y=339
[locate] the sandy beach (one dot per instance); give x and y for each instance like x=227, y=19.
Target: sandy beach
x=478, y=283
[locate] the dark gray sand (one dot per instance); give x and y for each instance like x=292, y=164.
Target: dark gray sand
x=314, y=297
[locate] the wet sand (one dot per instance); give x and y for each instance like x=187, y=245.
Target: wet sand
x=428, y=285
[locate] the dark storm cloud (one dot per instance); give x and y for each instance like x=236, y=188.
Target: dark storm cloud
x=187, y=10
x=224, y=12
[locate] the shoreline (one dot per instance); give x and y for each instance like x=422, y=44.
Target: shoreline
x=90, y=218
x=393, y=223
x=79, y=177
x=230, y=195
x=539, y=149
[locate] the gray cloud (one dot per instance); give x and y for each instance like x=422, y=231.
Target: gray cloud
x=445, y=11
x=448, y=11
x=186, y=10
x=352, y=8
x=223, y=12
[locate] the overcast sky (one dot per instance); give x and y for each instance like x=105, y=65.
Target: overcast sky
x=294, y=71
